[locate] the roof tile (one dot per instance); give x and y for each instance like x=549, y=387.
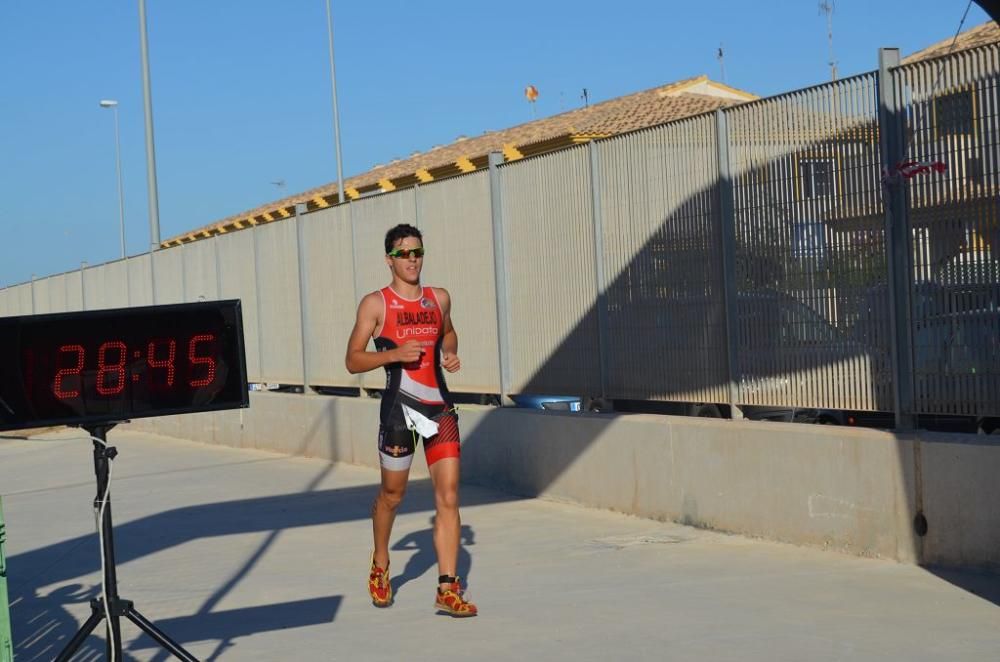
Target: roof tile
x=628, y=113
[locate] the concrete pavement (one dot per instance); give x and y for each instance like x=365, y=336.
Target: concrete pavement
x=249, y=555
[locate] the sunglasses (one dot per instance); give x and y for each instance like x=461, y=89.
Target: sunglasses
x=405, y=253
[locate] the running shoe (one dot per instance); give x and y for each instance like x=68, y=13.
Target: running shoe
x=378, y=585
x=452, y=601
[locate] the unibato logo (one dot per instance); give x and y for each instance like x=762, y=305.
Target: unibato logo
x=410, y=331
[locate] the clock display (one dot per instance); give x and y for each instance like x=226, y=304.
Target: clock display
x=113, y=365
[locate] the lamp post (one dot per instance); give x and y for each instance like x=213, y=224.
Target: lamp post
x=147, y=102
x=113, y=105
x=336, y=116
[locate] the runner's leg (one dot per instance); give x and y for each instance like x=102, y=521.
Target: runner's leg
x=447, y=524
x=384, y=509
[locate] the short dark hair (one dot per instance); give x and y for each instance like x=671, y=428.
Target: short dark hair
x=400, y=232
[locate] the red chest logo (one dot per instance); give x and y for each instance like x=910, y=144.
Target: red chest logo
x=417, y=325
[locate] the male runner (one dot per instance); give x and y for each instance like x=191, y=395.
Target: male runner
x=414, y=339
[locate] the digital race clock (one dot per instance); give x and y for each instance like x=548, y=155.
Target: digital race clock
x=113, y=365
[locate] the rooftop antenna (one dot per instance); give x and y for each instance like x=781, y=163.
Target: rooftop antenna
x=721, y=57
x=826, y=7
x=586, y=98
x=280, y=183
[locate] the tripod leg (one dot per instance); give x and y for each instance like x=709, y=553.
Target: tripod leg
x=166, y=642
x=114, y=638
x=80, y=636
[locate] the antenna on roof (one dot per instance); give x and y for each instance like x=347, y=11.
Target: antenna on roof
x=586, y=98
x=826, y=7
x=280, y=183
x=721, y=57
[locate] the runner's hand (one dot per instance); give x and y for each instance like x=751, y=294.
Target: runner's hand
x=450, y=362
x=408, y=352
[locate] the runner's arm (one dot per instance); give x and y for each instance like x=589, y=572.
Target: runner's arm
x=449, y=344
x=358, y=358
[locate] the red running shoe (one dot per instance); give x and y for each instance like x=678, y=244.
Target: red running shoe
x=451, y=601
x=378, y=585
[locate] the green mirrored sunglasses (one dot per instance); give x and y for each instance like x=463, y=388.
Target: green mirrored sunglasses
x=405, y=253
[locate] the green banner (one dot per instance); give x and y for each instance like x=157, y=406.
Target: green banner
x=6, y=642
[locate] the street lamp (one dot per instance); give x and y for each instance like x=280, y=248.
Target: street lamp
x=336, y=115
x=112, y=104
x=147, y=104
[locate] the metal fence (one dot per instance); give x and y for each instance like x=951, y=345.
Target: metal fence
x=551, y=277
x=662, y=254
x=810, y=258
x=740, y=257
x=953, y=119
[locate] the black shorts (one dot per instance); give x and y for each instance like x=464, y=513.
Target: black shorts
x=397, y=444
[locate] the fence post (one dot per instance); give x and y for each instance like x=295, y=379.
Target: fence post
x=500, y=275
x=417, y=215
x=128, y=284
x=83, y=286
x=69, y=298
x=300, y=210
x=360, y=377
x=6, y=640
x=184, y=285
x=256, y=293
x=218, y=267
x=898, y=239
x=152, y=275
x=601, y=276
x=727, y=233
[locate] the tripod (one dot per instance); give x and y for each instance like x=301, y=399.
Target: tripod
x=116, y=607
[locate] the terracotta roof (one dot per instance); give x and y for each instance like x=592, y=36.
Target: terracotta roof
x=658, y=105
x=981, y=35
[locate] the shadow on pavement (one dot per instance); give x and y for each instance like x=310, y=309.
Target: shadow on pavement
x=234, y=623
x=42, y=624
x=425, y=558
x=982, y=583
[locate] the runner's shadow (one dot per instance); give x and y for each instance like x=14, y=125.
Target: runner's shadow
x=425, y=557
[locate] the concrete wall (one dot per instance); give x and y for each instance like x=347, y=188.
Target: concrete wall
x=852, y=490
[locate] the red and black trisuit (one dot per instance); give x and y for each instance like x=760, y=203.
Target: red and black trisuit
x=418, y=385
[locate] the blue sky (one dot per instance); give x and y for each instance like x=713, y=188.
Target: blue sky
x=241, y=91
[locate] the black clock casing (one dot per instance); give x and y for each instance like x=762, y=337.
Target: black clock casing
x=103, y=366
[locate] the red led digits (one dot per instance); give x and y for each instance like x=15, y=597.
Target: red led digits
x=57, y=385
x=117, y=368
x=109, y=365
x=167, y=363
x=202, y=360
x=112, y=361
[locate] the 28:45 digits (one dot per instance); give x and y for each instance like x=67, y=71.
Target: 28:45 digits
x=157, y=359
